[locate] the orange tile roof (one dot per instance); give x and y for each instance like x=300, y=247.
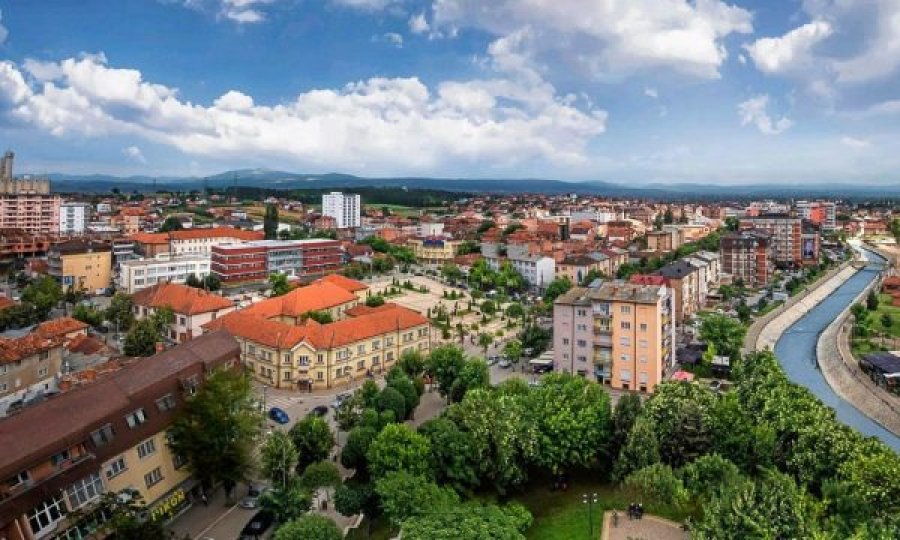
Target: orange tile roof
x=344, y=282
x=328, y=336
x=316, y=296
x=6, y=302
x=59, y=327
x=15, y=349
x=193, y=234
x=181, y=298
x=86, y=345
x=363, y=309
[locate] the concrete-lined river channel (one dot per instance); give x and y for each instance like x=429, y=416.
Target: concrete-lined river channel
x=796, y=351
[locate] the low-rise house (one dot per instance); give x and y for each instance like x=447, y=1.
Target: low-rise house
x=192, y=308
x=135, y=275
x=29, y=367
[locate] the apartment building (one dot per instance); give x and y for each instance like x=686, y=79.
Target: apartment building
x=343, y=208
x=285, y=349
x=29, y=367
x=685, y=280
x=256, y=260
x=106, y=436
x=74, y=218
x=786, y=234
x=138, y=274
x=664, y=241
x=820, y=213
x=576, y=267
x=537, y=270
x=434, y=250
x=192, y=308
x=190, y=242
x=83, y=265
x=619, y=334
x=749, y=256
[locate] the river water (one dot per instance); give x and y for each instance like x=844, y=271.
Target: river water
x=796, y=351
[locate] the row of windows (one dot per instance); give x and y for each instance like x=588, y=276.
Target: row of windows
x=135, y=418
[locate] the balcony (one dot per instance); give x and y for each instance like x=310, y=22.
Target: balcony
x=62, y=468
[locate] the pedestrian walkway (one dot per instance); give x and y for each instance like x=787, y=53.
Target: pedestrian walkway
x=282, y=401
x=649, y=527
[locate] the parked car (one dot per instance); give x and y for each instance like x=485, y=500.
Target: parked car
x=493, y=360
x=278, y=415
x=251, y=501
x=715, y=385
x=504, y=363
x=542, y=368
x=340, y=399
x=320, y=410
x=257, y=526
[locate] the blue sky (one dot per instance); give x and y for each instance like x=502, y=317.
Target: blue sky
x=621, y=90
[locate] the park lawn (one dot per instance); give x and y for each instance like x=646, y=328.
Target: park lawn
x=884, y=306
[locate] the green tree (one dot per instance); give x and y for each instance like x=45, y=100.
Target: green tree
x=557, y=288
x=88, y=315
x=353, y=454
x=171, y=223
x=771, y=507
x=403, y=495
x=278, y=282
x=708, y=476
x=485, y=341
x=390, y=399
x=412, y=363
x=309, y=527
x=44, y=294
x=474, y=374
x=193, y=281
x=319, y=475
x=727, y=333
x=141, y=339
x=451, y=272
x=321, y=317
x=570, y=418
x=512, y=350
x=218, y=429
x=641, y=449
x=872, y=301
x=515, y=311
x=313, y=439
x=452, y=454
x=212, y=283
x=444, y=364
x=886, y=320
x=279, y=457
x=625, y=415
x=731, y=223
x=470, y=521
x=114, y=516
x=681, y=415
x=375, y=301
x=286, y=501
x=270, y=222
x=120, y=312
x=488, y=307
x=399, y=449
x=658, y=483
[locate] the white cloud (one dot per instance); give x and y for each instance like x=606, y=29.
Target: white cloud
x=391, y=38
x=651, y=93
x=366, y=5
x=755, y=112
x=4, y=33
x=418, y=24
x=791, y=51
x=42, y=71
x=613, y=38
x=856, y=144
x=238, y=11
x=378, y=125
x=134, y=153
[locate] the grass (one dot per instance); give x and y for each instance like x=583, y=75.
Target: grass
x=884, y=306
x=561, y=515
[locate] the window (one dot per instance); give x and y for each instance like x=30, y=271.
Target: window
x=135, y=418
x=582, y=343
x=389, y=356
x=43, y=372
x=178, y=461
x=565, y=341
x=115, y=468
x=643, y=327
x=320, y=376
x=361, y=349
x=146, y=448
x=626, y=309
x=56, y=459
x=625, y=325
x=643, y=358
x=303, y=361
x=582, y=313
x=102, y=435
x=153, y=477
x=166, y=403
x=286, y=358
x=85, y=490
x=625, y=342
x=582, y=327
x=642, y=343
x=46, y=514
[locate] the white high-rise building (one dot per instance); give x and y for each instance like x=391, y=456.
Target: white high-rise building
x=343, y=208
x=74, y=217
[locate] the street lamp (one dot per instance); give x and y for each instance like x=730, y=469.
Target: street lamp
x=590, y=500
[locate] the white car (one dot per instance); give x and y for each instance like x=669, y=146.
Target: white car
x=504, y=363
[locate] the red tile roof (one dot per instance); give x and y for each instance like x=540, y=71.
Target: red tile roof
x=182, y=299
x=59, y=327
x=15, y=349
x=645, y=279
x=337, y=334
x=193, y=234
x=6, y=302
x=316, y=296
x=344, y=282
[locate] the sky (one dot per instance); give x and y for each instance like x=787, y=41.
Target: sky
x=636, y=91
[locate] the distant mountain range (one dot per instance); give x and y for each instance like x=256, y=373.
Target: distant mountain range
x=271, y=179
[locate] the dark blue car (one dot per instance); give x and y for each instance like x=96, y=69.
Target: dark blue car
x=277, y=414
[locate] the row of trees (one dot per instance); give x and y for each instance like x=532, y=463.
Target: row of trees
x=37, y=299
